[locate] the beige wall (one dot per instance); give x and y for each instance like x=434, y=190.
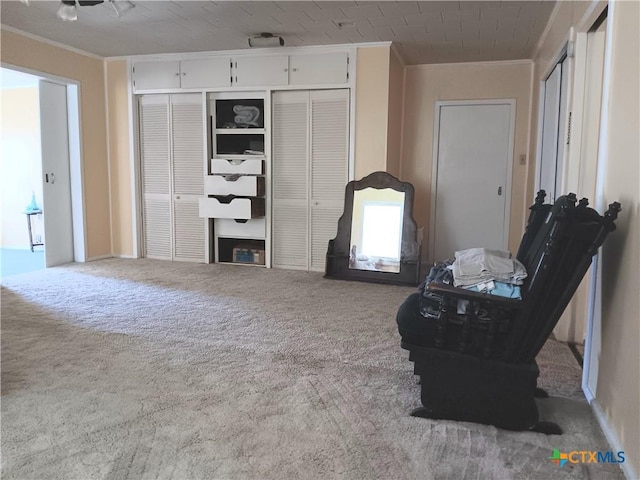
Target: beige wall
x=31, y=54
x=426, y=84
x=372, y=110
x=119, y=158
x=20, y=165
x=617, y=392
x=394, y=131
x=618, y=387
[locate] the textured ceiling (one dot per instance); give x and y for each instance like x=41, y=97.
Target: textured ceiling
x=424, y=32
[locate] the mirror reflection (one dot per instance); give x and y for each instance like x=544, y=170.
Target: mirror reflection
x=376, y=230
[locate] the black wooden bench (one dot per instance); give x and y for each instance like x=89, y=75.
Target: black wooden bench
x=480, y=366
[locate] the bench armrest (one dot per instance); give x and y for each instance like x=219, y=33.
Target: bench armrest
x=462, y=293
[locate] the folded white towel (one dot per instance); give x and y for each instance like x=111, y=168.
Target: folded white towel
x=478, y=265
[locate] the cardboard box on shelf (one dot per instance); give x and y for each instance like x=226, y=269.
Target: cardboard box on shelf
x=248, y=254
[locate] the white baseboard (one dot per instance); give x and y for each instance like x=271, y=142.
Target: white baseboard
x=99, y=257
x=587, y=392
x=130, y=257
x=612, y=437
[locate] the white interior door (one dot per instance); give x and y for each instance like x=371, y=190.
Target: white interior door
x=472, y=158
x=554, y=127
x=56, y=193
x=596, y=47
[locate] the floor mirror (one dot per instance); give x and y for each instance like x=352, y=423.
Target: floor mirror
x=376, y=239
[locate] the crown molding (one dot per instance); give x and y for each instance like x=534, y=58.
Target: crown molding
x=523, y=61
x=251, y=51
x=50, y=42
x=399, y=55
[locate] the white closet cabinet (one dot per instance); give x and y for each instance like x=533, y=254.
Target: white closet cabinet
x=310, y=145
x=205, y=73
x=262, y=71
x=172, y=166
x=155, y=75
x=197, y=73
x=327, y=68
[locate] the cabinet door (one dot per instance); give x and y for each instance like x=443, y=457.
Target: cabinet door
x=318, y=69
x=263, y=71
x=188, y=169
x=156, y=75
x=328, y=168
x=156, y=175
x=210, y=72
x=290, y=146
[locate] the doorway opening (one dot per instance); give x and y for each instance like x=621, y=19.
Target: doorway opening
x=22, y=232
x=40, y=140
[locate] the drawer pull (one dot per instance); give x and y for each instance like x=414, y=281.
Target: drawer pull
x=224, y=199
x=231, y=178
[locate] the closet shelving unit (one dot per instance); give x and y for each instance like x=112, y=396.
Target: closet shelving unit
x=236, y=185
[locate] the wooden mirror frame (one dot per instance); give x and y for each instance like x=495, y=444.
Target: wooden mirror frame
x=337, y=263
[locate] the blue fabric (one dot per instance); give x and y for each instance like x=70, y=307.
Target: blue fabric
x=501, y=289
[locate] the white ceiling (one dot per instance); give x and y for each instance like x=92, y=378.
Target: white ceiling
x=424, y=32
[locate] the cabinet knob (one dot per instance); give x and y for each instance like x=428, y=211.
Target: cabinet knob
x=286, y=69
x=178, y=74
x=184, y=73
x=295, y=69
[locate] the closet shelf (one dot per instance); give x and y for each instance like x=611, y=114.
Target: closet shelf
x=239, y=131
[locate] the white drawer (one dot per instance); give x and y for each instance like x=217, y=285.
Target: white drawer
x=241, y=186
x=254, y=228
x=242, y=166
x=242, y=208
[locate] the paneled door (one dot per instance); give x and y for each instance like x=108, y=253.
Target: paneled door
x=172, y=168
x=310, y=147
x=473, y=151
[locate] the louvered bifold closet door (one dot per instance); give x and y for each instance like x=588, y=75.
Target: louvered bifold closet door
x=188, y=168
x=290, y=159
x=156, y=175
x=329, y=168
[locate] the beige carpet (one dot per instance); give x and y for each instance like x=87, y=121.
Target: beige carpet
x=141, y=369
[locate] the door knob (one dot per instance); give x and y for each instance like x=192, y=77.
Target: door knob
x=499, y=190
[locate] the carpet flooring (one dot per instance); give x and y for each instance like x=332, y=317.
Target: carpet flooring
x=143, y=369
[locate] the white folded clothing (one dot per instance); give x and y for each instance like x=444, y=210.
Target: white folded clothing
x=478, y=265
